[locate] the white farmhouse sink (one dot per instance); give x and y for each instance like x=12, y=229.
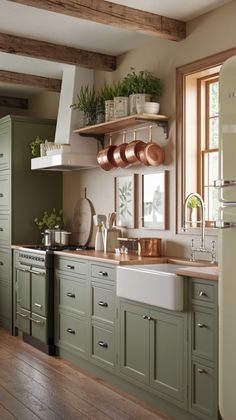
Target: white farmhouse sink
x=154, y=284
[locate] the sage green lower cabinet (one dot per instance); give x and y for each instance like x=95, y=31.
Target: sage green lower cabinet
x=153, y=348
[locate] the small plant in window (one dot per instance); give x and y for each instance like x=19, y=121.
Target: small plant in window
x=193, y=203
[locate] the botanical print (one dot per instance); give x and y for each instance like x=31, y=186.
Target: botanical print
x=124, y=200
x=154, y=200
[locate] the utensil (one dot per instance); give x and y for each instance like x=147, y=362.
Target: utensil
x=82, y=220
x=105, y=157
x=132, y=151
x=99, y=220
x=154, y=154
x=119, y=154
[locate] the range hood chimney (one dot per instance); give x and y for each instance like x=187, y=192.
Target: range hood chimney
x=82, y=151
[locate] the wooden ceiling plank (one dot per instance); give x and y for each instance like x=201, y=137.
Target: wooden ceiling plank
x=113, y=14
x=11, y=77
x=53, y=52
x=10, y=102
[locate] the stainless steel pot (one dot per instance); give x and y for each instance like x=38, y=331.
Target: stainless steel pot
x=56, y=237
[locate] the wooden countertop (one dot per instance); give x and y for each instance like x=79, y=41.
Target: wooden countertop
x=199, y=269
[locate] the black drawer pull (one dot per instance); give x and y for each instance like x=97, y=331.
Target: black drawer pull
x=201, y=325
x=202, y=293
x=1, y=263
x=104, y=304
x=69, y=294
x=201, y=370
x=1, y=195
x=1, y=229
x=145, y=317
x=71, y=267
x=103, y=344
x=69, y=330
x=1, y=155
x=103, y=273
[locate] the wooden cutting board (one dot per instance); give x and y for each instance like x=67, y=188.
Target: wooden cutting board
x=82, y=220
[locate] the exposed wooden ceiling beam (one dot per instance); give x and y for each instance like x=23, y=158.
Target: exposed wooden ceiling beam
x=53, y=52
x=30, y=80
x=113, y=14
x=10, y=102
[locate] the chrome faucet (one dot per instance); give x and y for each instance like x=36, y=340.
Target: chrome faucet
x=202, y=248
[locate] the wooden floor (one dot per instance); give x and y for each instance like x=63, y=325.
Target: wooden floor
x=36, y=386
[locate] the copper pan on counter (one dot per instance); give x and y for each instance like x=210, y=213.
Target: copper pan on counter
x=105, y=157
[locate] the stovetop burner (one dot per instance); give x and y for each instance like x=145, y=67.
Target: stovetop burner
x=58, y=247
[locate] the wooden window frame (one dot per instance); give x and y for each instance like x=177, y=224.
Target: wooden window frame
x=182, y=72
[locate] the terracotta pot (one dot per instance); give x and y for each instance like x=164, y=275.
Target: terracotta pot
x=105, y=158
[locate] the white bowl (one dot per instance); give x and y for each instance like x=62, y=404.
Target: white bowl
x=151, y=107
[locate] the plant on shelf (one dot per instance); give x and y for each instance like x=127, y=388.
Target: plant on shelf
x=87, y=101
x=50, y=220
x=107, y=92
x=35, y=146
x=143, y=82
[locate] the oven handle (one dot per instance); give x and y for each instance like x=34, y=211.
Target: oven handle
x=28, y=270
x=36, y=321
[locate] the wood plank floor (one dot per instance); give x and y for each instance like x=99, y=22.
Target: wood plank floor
x=36, y=386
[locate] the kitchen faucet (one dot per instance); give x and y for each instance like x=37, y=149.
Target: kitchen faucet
x=202, y=247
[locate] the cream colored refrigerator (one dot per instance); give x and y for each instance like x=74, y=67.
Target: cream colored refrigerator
x=227, y=241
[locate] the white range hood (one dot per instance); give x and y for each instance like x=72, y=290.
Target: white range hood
x=83, y=151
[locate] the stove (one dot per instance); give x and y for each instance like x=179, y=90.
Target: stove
x=44, y=248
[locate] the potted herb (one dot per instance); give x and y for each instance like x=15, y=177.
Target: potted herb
x=50, y=220
x=121, y=101
x=141, y=87
x=87, y=101
x=35, y=146
x=107, y=97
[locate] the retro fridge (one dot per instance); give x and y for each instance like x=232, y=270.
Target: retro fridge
x=227, y=241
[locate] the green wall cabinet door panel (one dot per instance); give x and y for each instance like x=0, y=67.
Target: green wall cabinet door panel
x=134, y=342
x=39, y=293
x=24, y=194
x=167, y=354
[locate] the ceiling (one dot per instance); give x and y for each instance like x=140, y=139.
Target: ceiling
x=38, y=24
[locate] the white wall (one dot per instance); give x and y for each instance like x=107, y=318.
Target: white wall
x=213, y=32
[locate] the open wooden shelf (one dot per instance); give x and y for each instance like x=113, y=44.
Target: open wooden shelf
x=120, y=124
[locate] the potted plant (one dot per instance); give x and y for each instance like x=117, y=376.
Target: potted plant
x=141, y=87
x=50, y=220
x=87, y=101
x=35, y=146
x=121, y=100
x=106, y=95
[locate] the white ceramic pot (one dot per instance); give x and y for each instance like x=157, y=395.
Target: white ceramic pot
x=121, y=106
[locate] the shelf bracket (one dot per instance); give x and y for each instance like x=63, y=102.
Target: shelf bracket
x=99, y=137
x=164, y=125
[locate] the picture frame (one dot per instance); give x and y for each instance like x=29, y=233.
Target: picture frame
x=154, y=200
x=125, y=200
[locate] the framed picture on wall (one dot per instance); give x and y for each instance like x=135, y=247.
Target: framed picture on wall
x=154, y=200
x=125, y=200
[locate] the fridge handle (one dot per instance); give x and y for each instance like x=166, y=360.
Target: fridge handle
x=220, y=224
x=221, y=183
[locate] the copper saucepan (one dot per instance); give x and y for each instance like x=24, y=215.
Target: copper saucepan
x=154, y=154
x=105, y=157
x=132, y=151
x=119, y=154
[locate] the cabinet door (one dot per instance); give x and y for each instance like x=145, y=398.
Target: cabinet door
x=134, y=341
x=5, y=145
x=23, y=288
x=39, y=293
x=167, y=354
x=203, y=333
x=103, y=303
x=204, y=390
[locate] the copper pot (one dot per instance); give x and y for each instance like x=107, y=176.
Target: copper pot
x=152, y=154
x=105, y=157
x=119, y=154
x=149, y=247
x=132, y=151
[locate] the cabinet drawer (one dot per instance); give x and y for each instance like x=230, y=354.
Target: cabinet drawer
x=5, y=236
x=73, y=333
x=71, y=266
x=102, y=272
x=39, y=327
x=103, y=346
x=203, y=340
x=23, y=319
x=5, y=195
x=5, y=264
x=39, y=293
x=72, y=294
x=103, y=303
x=203, y=395
x=202, y=292
x=5, y=145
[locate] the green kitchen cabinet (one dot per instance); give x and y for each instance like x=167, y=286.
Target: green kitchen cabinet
x=153, y=346
x=24, y=194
